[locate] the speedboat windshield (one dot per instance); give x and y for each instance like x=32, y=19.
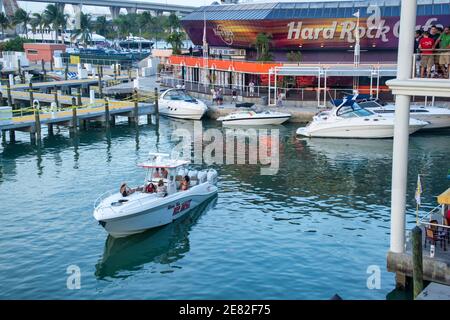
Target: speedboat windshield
x=353, y=111
x=370, y=104
x=180, y=95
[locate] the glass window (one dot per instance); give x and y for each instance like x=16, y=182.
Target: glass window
x=437, y=9
x=446, y=9
x=386, y=11
x=396, y=11
x=420, y=10
x=428, y=10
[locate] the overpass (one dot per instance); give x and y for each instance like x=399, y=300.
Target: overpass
x=115, y=5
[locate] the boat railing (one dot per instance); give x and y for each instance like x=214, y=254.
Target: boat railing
x=103, y=196
x=428, y=217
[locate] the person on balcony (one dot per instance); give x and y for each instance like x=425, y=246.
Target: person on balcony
x=426, y=45
x=443, y=44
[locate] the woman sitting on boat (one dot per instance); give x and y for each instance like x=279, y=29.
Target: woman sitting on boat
x=150, y=188
x=125, y=190
x=161, y=189
x=184, y=185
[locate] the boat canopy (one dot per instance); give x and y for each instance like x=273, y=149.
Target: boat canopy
x=162, y=160
x=444, y=197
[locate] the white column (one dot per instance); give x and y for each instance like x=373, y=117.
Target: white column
x=401, y=134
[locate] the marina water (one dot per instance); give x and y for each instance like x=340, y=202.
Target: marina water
x=318, y=227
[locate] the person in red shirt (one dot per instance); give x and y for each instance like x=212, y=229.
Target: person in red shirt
x=427, y=59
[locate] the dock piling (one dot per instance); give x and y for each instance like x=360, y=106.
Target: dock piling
x=37, y=120
x=12, y=136
x=416, y=235
x=73, y=127
x=8, y=92
x=30, y=90
x=79, y=103
x=56, y=99
x=107, y=115
x=100, y=90
x=136, y=107
x=156, y=107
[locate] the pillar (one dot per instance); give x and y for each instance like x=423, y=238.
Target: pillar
x=131, y=10
x=115, y=11
x=401, y=128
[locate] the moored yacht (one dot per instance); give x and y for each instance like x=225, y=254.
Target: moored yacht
x=131, y=211
x=252, y=118
x=349, y=120
x=437, y=118
x=176, y=103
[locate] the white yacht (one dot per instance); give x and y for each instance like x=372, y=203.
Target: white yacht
x=349, y=120
x=176, y=103
x=437, y=118
x=131, y=211
x=252, y=118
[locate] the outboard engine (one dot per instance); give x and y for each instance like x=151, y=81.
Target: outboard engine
x=193, y=174
x=212, y=176
x=201, y=176
x=182, y=172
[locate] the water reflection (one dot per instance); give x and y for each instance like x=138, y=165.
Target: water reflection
x=164, y=245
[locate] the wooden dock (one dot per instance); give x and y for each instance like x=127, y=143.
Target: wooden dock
x=435, y=269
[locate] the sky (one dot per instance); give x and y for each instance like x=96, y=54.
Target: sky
x=37, y=7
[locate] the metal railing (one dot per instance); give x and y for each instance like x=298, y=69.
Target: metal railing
x=431, y=64
x=430, y=216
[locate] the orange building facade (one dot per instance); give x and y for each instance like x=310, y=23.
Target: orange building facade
x=42, y=51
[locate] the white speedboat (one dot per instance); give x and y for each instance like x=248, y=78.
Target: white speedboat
x=176, y=103
x=437, y=118
x=349, y=120
x=252, y=118
x=123, y=214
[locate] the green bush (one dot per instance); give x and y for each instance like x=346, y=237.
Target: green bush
x=15, y=44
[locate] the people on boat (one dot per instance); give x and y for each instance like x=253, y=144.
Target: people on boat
x=125, y=190
x=150, y=188
x=184, y=185
x=161, y=189
x=156, y=173
x=164, y=173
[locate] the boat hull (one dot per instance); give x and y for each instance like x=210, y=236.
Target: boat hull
x=358, y=132
x=255, y=122
x=174, y=208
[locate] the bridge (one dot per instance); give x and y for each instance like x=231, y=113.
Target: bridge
x=115, y=6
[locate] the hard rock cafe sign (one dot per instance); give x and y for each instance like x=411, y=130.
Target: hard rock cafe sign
x=227, y=36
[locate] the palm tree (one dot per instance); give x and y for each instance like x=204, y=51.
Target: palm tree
x=38, y=21
x=173, y=22
x=101, y=26
x=57, y=19
x=84, y=32
x=262, y=47
x=22, y=17
x=176, y=41
x=4, y=23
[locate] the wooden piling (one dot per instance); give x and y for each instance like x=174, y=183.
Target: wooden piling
x=37, y=123
x=12, y=136
x=416, y=236
x=156, y=107
x=56, y=99
x=44, y=72
x=79, y=102
x=30, y=90
x=115, y=71
x=50, y=129
x=74, y=115
x=107, y=115
x=19, y=67
x=100, y=90
x=8, y=92
x=51, y=64
x=136, y=107
x=66, y=71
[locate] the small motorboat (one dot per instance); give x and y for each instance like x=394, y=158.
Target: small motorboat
x=437, y=118
x=252, y=118
x=176, y=103
x=349, y=120
x=136, y=210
